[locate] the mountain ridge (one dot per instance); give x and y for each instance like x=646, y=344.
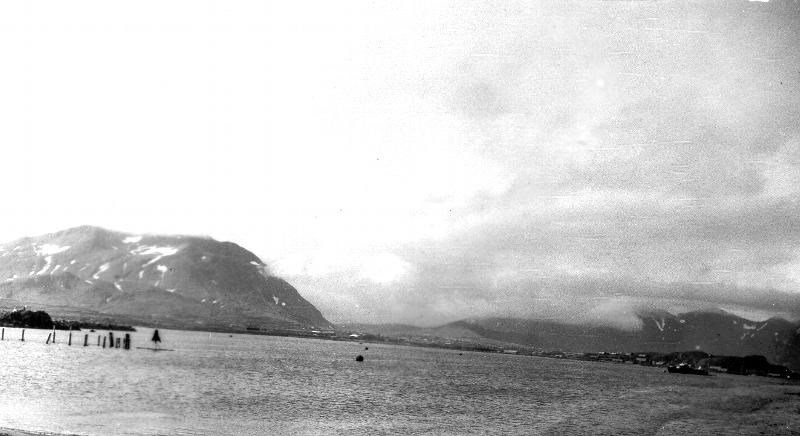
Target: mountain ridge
x=717, y=332
x=179, y=279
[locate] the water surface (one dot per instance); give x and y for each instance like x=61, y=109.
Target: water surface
x=221, y=384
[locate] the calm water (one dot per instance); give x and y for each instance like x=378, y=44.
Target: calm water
x=241, y=384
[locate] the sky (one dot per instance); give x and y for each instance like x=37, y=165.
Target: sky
x=423, y=162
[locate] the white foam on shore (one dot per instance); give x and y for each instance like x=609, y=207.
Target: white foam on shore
x=132, y=239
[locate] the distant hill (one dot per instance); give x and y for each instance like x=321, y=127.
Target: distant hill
x=715, y=332
x=180, y=281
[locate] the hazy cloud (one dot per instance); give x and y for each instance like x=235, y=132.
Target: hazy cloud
x=425, y=163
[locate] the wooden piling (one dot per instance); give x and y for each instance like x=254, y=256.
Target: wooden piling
x=104, y=341
x=23, y=335
x=54, y=334
x=85, y=339
x=110, y=339
x=126, y=344
x=98, y=340
x=3, y=334
x=69, y=341
x=48, y=339
x=117, y=343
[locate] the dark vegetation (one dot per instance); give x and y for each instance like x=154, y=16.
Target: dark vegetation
x=746, y=365
x=40, y=319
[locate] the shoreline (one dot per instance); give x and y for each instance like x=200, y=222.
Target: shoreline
x=17, y=432
x=456, y=345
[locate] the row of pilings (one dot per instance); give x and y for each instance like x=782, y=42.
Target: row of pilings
x=107, y=341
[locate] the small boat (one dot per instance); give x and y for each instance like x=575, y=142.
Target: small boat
x=685, y=368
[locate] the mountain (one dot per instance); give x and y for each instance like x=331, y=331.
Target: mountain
x=180, y=281
x=715, y=332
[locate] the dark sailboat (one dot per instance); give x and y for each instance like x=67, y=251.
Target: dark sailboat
x=156, y=340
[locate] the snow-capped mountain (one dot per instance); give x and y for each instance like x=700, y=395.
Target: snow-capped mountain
x=175, y=280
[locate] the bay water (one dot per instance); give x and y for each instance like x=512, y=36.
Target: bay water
x=237, y=384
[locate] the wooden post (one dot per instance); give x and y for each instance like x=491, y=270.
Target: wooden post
x=104, y=341
x=117, y=344
x=69, y=341
x=86, y=340
x=23, y=335
x=98, y=340
x=127, y=341
x=110, y=339
x=48, y=338
x=54, y=334
x=3, y=334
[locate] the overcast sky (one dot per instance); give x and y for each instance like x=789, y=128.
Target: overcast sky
x=429, y=161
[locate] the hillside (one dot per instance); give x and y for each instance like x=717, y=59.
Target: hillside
x=715, y=332
x=180, y=281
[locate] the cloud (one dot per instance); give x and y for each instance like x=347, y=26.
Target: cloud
x=429, y=162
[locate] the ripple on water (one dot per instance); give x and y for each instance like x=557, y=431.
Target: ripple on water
x=249, y=385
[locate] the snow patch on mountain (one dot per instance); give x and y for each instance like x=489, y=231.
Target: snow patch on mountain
x=160, y=252
x=103, y=268
x=49, y=249
x=48, y=260
x=132, y=239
